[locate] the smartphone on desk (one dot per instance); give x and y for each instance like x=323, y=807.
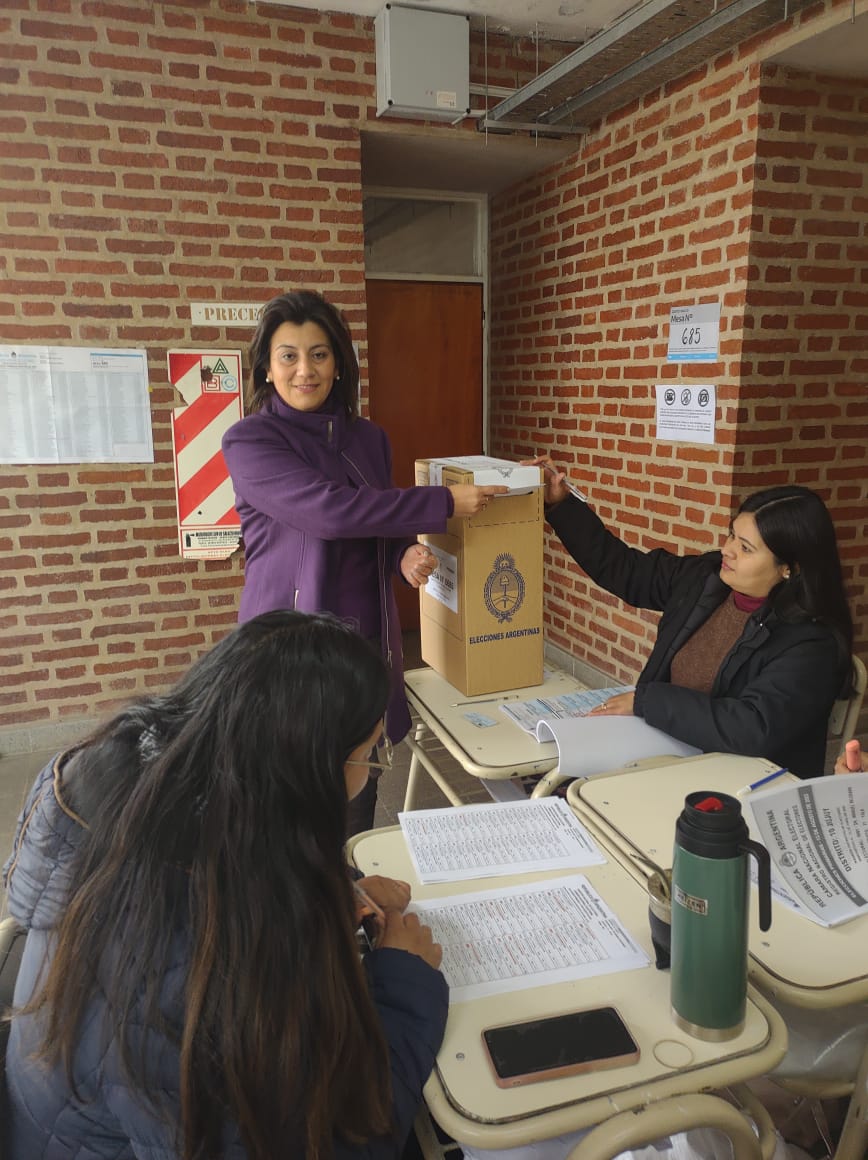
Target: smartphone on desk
x=557, y=1046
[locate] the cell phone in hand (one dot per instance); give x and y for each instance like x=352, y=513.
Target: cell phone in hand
x=558, y=1046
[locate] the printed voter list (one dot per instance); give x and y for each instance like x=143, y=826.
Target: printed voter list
x=482, y=841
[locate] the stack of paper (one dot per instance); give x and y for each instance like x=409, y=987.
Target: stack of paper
x=592, y=745
x=520, y=936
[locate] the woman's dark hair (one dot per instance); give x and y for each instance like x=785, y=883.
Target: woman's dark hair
x=298, y=307
x=797, y=529
x=216, y=820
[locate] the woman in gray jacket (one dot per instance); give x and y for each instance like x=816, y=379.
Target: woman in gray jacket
x=191, y=986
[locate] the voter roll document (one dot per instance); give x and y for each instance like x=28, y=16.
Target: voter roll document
x=483, y=841
x=518, y=937
x=816, y=833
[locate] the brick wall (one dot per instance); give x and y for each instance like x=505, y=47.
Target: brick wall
x=803, y=400
x=152, y=155
x=705, y=189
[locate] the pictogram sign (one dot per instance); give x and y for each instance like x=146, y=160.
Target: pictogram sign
x=210, y=384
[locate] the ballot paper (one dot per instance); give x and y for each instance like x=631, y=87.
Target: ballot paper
x=482, y=841
x=557, y=931
x=816, y=832
x=528, y=714
x=591, y=745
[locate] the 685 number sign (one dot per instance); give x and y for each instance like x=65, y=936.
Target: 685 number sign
x=694, y=332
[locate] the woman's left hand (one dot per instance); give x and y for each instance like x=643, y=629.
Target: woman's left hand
x=388, y=893
x=621, y=705
x=417, y=564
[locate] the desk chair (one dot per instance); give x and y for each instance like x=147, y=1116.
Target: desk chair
x=844, y=718
x=632, y=1129
x=12, y=938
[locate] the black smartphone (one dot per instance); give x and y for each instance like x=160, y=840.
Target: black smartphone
x=568, y=1044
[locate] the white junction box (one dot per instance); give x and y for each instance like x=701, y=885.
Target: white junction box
x=423, y=64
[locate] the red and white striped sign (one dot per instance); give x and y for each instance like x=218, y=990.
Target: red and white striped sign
x=210, y=383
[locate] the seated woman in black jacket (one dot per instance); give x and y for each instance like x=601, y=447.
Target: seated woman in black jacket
x=754, y=644
x=191, y=985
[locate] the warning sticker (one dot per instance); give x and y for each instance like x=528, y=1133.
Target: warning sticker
x=210, y=384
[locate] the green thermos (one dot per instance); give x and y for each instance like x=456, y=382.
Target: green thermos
x=710, y=915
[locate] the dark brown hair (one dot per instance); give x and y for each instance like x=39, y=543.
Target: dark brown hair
x=797, y=529
x=213, y=855
x=299, y=307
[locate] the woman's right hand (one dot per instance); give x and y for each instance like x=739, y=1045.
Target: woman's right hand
x=554, y=480
x=404, y=932
x=470, y=500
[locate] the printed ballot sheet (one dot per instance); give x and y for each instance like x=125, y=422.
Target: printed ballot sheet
x=525, y=936
x=528, y=714
x=483, y=841
x=816, y=833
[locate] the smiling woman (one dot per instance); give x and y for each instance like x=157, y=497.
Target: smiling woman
x=324, y=527
x=754, y=643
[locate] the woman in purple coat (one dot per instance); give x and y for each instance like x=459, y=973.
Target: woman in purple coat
x=324, y=527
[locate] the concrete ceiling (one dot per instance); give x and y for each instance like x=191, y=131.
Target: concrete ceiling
x=426, y=157
x=572, y=20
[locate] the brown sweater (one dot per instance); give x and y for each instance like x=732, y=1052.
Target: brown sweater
x=695, y=664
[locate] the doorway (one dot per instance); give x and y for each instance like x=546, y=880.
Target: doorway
x=426, y=379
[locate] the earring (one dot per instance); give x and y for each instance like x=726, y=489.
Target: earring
x=337, y=378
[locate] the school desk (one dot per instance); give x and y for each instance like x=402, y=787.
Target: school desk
x=632, y=814
x=662, y=1093
x=475, y=732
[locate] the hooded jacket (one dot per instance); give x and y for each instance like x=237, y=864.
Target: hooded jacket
x=111, y=1121
x=306, y=483
x=774, y=690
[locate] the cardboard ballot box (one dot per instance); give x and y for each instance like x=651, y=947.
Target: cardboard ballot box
x=481, y=614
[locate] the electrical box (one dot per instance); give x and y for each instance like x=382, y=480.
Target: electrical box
x=423, y=64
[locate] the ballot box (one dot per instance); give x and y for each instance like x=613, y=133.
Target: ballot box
x=481, y=612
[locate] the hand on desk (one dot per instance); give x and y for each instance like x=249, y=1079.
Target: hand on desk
x=620, y=705
x=404, y=932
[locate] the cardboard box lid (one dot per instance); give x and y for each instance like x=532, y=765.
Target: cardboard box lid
x=485, y=470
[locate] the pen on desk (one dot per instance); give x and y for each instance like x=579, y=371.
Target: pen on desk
x=571, y=487
x=762, y=781
x=484, y=701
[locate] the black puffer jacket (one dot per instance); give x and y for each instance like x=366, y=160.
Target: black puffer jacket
x=775, y=688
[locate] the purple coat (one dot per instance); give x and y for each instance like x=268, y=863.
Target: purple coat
x=306, y=484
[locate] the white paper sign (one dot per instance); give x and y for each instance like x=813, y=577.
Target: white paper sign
x=694, y=333
x=686, y=414
x=69, y=404
x=443, y=582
